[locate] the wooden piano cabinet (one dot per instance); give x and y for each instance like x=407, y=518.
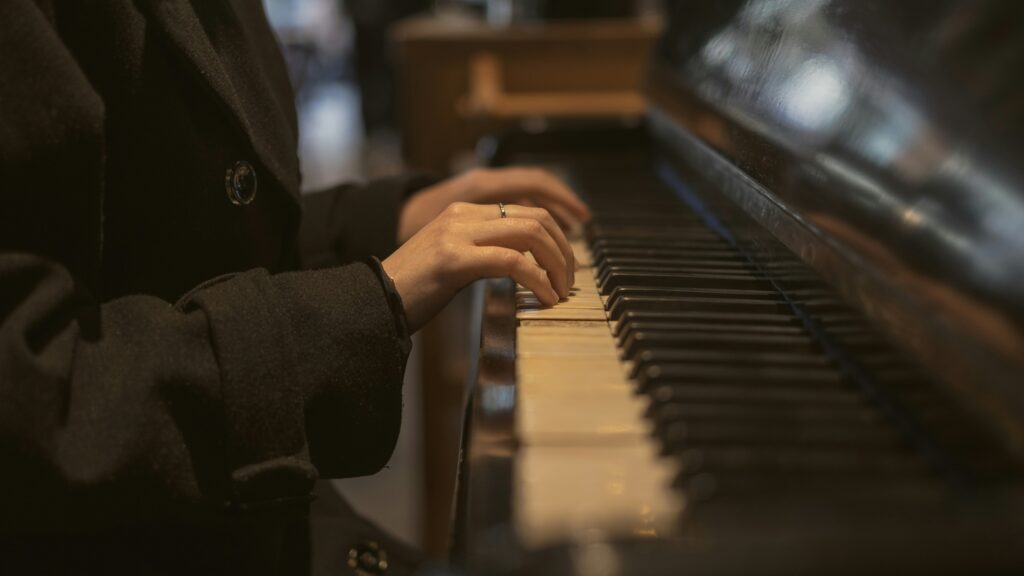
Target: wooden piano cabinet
x=445, y=343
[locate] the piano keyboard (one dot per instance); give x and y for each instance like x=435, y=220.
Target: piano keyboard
x=693, y=366
x=585, y=461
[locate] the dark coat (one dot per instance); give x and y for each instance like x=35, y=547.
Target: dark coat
x=170, y=389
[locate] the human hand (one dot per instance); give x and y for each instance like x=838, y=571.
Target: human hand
x=472, y=241
x=524, y=186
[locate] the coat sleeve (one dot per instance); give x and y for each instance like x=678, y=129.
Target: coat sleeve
x=354, y=221
x=229, y=398
x=142, y=410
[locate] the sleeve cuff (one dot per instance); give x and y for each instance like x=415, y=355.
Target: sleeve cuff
x=394, y=303
x=311, y=374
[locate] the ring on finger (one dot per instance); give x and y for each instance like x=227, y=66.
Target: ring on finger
x=501, y=208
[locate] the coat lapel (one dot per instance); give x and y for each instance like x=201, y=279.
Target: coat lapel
x=262, y=122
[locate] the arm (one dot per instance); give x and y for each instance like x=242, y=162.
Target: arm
x=350, y=222
x=227, y=398
x=137, y=409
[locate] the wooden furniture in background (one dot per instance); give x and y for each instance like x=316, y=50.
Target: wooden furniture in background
x=462, y=79
x=488, y=99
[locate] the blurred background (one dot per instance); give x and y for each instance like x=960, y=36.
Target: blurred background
x=391, y=86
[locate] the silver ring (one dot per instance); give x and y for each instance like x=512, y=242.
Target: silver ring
x=501, y=208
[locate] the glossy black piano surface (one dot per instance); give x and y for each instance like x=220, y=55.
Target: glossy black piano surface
x=882, y=141
x=813, y=251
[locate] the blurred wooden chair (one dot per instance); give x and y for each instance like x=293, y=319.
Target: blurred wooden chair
x=461, y=79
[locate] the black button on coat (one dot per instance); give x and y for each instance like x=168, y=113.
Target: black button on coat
x=240, y=183
x=171, y=382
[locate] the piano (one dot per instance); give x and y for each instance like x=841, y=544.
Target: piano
x=796, y=342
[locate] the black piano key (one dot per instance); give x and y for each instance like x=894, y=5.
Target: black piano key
x=657, y=252
x=653, y=291
x=640, y=232
x=605, y=266
x=647, y=220
x=605, y=276
x=756, y=461
x=640, y=341
x=698, y=278
x=670, y=305
x=652, y=377
x=708, y=327
x=631, y=317
x=656, y=255
x=744, y=490
x=681, y=435
x=697, y=267
x=704, y=242
x=664, y=357
x=680, y=280
x=666, y=249
x=767, y=413
x=752, y=393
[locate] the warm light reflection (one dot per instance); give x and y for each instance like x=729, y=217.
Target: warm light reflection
x=816, y=96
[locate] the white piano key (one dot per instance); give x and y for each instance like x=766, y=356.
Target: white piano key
x=555, y=415
x=586, y=460
x=564, y=492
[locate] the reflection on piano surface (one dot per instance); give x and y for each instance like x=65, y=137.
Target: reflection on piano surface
x=795, y=344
